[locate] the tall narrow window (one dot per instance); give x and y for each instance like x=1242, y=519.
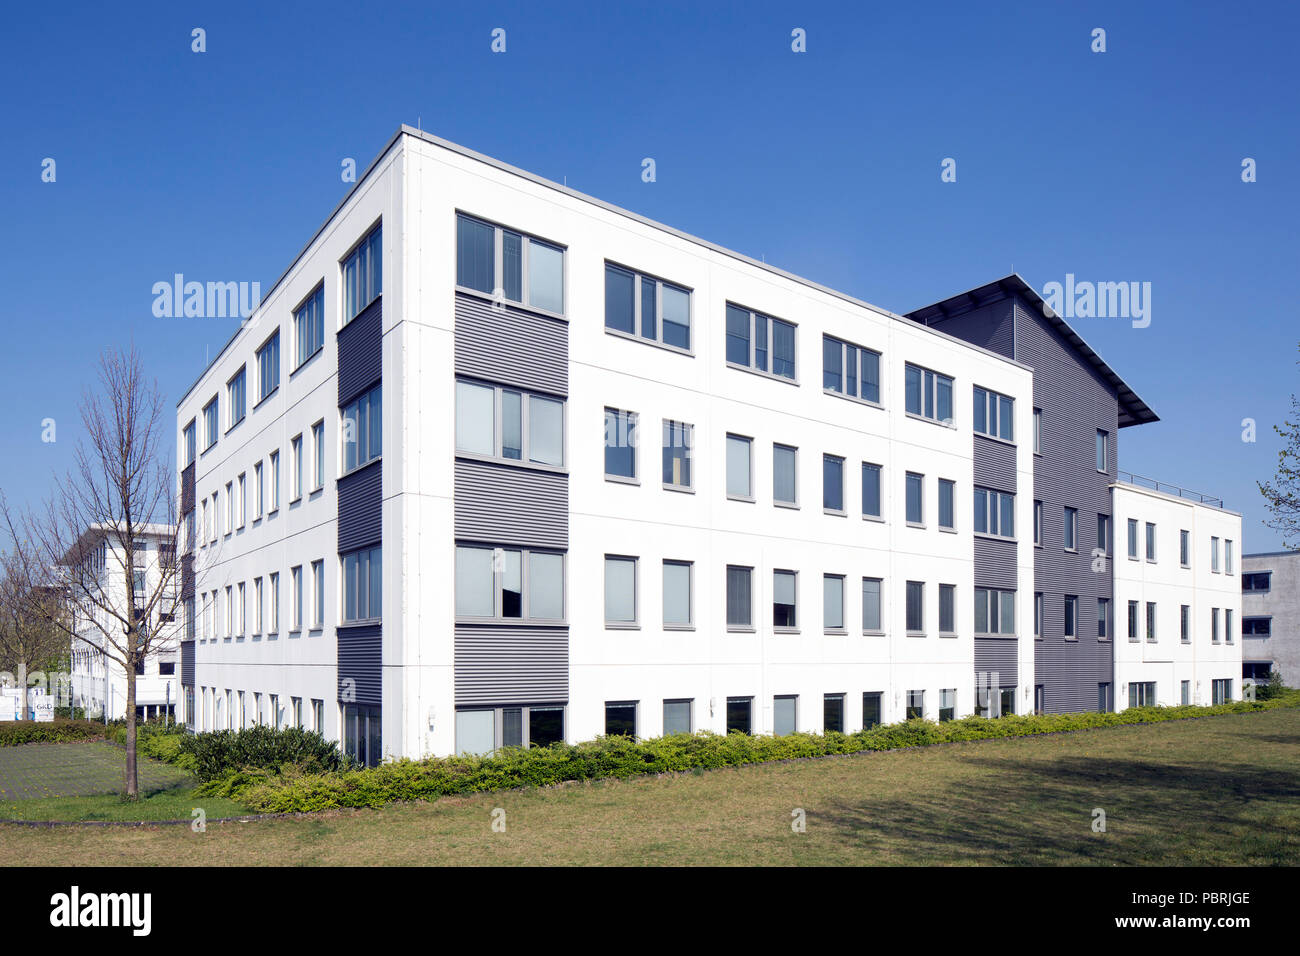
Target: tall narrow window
x=189, y=442
x=947, y=609
x=678, y=600
x=1133, y=538
x=784, y=604
x=946, y=513
x=870, y=490
x=309, y=325
x=620, y=590
x=1103, y=451
x=295, y=584
x=1038, y=431
x=915, y=486
x=620, y=444
x=1185, y=548
x=915, y=607
x=317, y=593
x=268, y=366
x=833, y=602
x=871, y=604
x=295, y=447
x=1151, y=622
x=1133, y=622
x=785, y=484
x=1214, y=555
x=740, y=482
x=1103, y=533
x=1103, y=617
x=833, y=484
x=1071, y=616
x=678, y=442
x=1151, y=541
x=1071, y=528
x=1185, y=623
x=275, y=482
x=739, y=597
x=236, y=390
x=318, y=455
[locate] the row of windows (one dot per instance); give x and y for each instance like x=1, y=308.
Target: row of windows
x=236, y=709
x=1143, y=693
x=1140, y=624
x=1148, y=541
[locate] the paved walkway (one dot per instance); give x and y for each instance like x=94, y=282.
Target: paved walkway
x=76, y=770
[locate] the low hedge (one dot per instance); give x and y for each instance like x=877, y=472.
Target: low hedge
x=215, y=754
x=305, y=789
x=60, y=730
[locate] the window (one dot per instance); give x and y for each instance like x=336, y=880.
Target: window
x=620, y=444
x=1038, y=523
x=241, y=509
x=509, y=265
x=1185, y=548
x=363, y=425
x=760, y=342
x=1133, y=538
x=785, y=586
x=677, y=717
x=1214, y=555
x=363, y=585
x=995, y=611
x=1257, y=626
x=1038, y=614
x=739, y=468
x=268, y=366
x=1038, y=431
x=1151, y=622
x=236, y=394
x=509, y=584
x=1151, y=541
x=915, y=704
x=318, y=716
x=499, y=423
x=915, y=498
x=1142, y=694
x=994, y=414
x=1227, y=624
x=295, y=583
x=363, y=274
x=1257, y=581
x=318, y=455
x=995, y=513
x=275, y=603
x=1222, y=691
x=1133, y=621
x=946, y=518
x=833, y=602
x=1103, y=533
x=620, y=590
x=739, y=714
x=679, y=439
x=1227, y=556
x=1103, y=617
x=210, y=424
x=1185, y=623
x=647, y=307
x=927, y=394
x=1103, y=451
x=947, y=704
x=833, y=484
x=188, y=440
x=850, y=370
x=678, y=597
x=1185, y=692
x=870, y=490
x=947, y=608
x=257, y=606
x=309, y=325
x=1071, y=617
x=275, y=482
x=833, y=713
x=739, y=597
x=915, y=606
x=785, y=480
x=620, y=718
x=1071, y=528
x=871, y=710
x=362, y=734
x=295, y=448
x=1104, y=702
x=783, y=714
x=230, y=508
x=871, y=605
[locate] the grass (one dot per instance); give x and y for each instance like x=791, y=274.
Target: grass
x=1210, y=792
x=76, y=769
x=171, y=803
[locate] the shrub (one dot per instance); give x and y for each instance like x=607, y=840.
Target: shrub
x=217, y=753
x=60, y=730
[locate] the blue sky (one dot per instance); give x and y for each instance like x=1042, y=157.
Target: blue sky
x=1115, y=166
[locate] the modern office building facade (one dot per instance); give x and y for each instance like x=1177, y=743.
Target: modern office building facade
x=496, y=463
x=1270, y=616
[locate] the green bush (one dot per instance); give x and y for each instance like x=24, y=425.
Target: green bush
x=59, y=730
x=215, y=754
x=298, y=787
x=71, y=713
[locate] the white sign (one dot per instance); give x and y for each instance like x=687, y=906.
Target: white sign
x=43, y=708
x=8, y=707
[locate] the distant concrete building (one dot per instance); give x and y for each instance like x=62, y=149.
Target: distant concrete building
x=1270, y=615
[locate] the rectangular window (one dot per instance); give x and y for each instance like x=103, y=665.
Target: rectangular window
x=275, y=482
x=739, y=714
x=1222, y=690
x=927, y=394
x=915, y=606
x=872, y=712
x=1133, y=538
x=1038, y=614
x=1227, y=625
x=1185, y=548
x=509, y=265
x=1214, y=555
x=740, y=473
x=1133, y=622
x=1103, y=533
x=318, y=456
x=274, y=618
x=296, y=463
x=678, y=597
x=1151, y=541
x=1038, y=523
x=240, y=615
x=785, y=587
x=1071, y=616
x=915, y=704
x=236, y=394
x=915, y=498
x=1185, y=623
x=1038, y=431
x=995, y=513
x=1142, y=694
x=994, y=414
x=1151, y=622
x=363, y=274
x=760, y=342
x=677, y=717
x=661, y=312
x=295, y=583
x=1185, y=693
x=509, y=584
x=739, y=597
x=947, y=609
x=946, y=511
x=1103, y=451
x=1257, y=582
x=850, y=370
x=833, y=602
x=870, y=490
x=317, y=593
x=620, y=444
x=785, y=471
x=363, y=424
x=258, y=619
x=679, y=440
x=620, y=590
x=309, y=326
x=363, y=585
x=947, y=704
x=783, y=714
x=1071, y=528
x=268, y=366
x=995, y=611
x=1227, y=556
x=833, y=713
x=620, y=718
x=230, y=508
x=188, y=440
x=362, y=734
x=211, y=424
x=1103, y=617
x=871, y=591
x=1255, y=626
x=833, y=484
x=241, y=506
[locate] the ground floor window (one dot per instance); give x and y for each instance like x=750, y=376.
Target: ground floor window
x=947, y=703
x=833, y=713
x=1007, y=701
x=872, y=715
x=1185, y=697
x=1040, y=699
x=1256, y=670
x=484, y=730
x=783, y=714
x=189, y=706
x=677, y=717
x=739, y=714
x=1104, y=702
x=1142, y=694
x=620, y=718
x=362, y=740
x=1222, y=691
x=915, y=704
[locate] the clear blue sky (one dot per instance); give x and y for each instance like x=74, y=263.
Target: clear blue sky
x=1124, y=165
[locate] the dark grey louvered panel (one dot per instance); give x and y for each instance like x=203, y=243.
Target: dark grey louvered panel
x=511, y=665
x=187, y=577
x=500, y=504
x=511, y=346
x=361, y=508
x=995, y=563
x=187, y=489
x=360, y=351
x=995, y=464
x=989, y=326
x=1075, y=402
x=360, y=656
x=187, y=663
x=996, y=655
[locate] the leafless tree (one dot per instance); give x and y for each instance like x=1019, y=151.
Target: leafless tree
x=120, y=491
x=31, y=632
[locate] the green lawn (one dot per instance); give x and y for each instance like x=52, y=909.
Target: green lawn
x=1215, y=791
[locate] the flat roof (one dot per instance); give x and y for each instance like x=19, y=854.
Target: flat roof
x=425, y=136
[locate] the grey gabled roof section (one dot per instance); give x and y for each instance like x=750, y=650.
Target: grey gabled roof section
x=1132, y=410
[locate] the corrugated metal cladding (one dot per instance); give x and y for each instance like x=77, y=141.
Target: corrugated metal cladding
x=997, y=655
x=361, y=508
x=187, y=489
x=360, y=671
x=511, y=665
x=995, y=464
x=360, y=351
x=187, y=663
x=990, y=326
x=995, y=563
x=187, y=577
x=510, y=346
x=498, y=504
x=1075, y=402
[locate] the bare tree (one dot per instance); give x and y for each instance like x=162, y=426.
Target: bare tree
x=1282, y=494
x=31, y=615
x=120, y=492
